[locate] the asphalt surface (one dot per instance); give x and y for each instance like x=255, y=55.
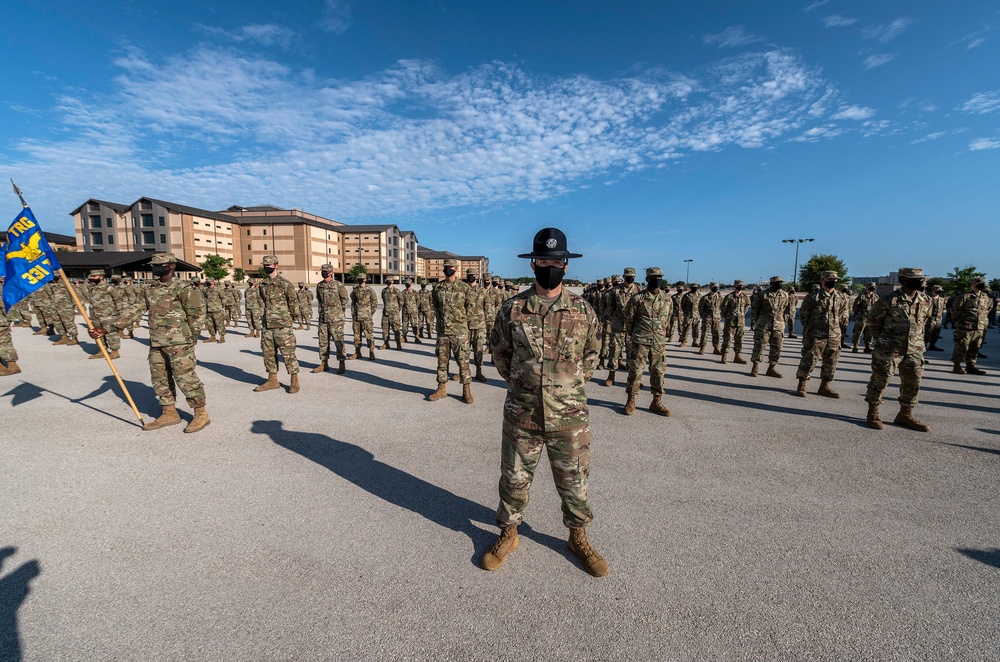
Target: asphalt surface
x=347, y=521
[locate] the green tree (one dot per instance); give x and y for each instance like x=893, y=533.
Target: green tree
x=239, y=275
x=810, y=271
x=937, y=280
x=214, y=266
x=357, y=270
x=995, y=284
x=961, y=277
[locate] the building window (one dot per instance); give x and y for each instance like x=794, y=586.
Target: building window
x=110, y=223
x=145, y=204
x=248, y=247
x=95, y=221
x=147, y=220
x=96, y=238
x=93, y=206
x=265, y=232
x=111, y=240
x=148, y=237
x=163, y=238
x=265, y=247
x=163, y=221
x=249, y=261
x=248, y=233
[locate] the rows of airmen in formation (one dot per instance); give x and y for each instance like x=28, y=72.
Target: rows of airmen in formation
x=635, y=326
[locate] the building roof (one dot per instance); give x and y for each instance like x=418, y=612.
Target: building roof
x=51, y=237
x=430, y=254
x=122, y=260
x=117, y=206
x=355, y=229
x=184, y=209
x=253, y=208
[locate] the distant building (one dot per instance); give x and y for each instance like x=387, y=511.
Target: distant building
x=431, y=263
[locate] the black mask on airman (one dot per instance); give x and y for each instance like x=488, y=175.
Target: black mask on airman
x=629, y=279
x=449, y=272
x=654, y=282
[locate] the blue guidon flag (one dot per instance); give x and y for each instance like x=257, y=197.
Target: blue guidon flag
x=28, y=259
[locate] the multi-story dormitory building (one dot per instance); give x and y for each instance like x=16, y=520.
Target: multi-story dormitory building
x=303, y=242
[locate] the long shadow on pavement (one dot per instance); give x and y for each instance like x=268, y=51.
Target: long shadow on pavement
x=14, y=589
x=763, y=406
x=982, y=449
x=987, y=556
x=436, y=504
x=231, y=371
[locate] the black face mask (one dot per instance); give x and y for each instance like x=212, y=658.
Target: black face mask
x=629, y=279
x=159, y=270
x=776, y=287
x=979, y=286
x=325, y=274
x=94, y=282
x=549, y=278
x=871, y=289
x=912, y=284
x=694, y=289
x=738, y=288
x=449, y=272
x=715, y=289
x=654, y=282
x=470, y=280
x=269, y=269
x=830, y=284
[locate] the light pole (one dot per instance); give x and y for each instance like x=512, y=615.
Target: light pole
x=687, y=276
x=795, y=273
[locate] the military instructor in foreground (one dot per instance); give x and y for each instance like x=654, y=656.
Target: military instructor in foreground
x=545, y=344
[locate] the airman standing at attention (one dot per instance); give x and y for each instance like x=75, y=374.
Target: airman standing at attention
x=104, y=310
x=545, y=347
x=934, y=322
x=426, y=309
x=254, y=305
x=734, y=313
x=862, y=306
x=821, y=314
x=176, y=315
x=332, y=298
x=897, y=323
x=710, y=308
x=767, y=313
x=793, y=302
x=491, y=309
x=411, y=311
x=280, y=304
x=647, y=316
x=64, y=310
x=845, y=320
x=619, y=295
x=216, y=313
x=969, y=312
x=232, y=304
x=676, y=315
x=305, y=299
x=475, y=307
x=391, y=310
x=689, y=314
x=600, y=308
x=363, y=306
x=451, y=310
x=8, y=355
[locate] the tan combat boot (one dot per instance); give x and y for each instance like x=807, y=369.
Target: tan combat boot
x=723, y=360
x=270, y=384
x=905, y=419
x=480, y=377
x=854, y=348
x=874, y=417
x=467, y=394
x=210, y=338
x=600, y=365
x=293, y=383
x=167, y=417
x=716, y=350
x=249, y=335
x=772, y=371
x=958, y=369
x=801, y=390
x=592, y=561
x=505, y=544
x=755, y=370
x=441, y=392
x=739, y=359
x=371, y=353
x=222, y=338
x=321, y=367
x=299, y=327
x=308, y=326
x=199, y=421
x=115, y=355
x=611, y=378
x=398, y=345
x=385, y=343
x=701, y=350
x=341, y=367
x=826, y=391
x=356, y=354
x=629, y=405
x=61, y=341
x=11, y=369
x=656, y=406
x=72, y=341
x=970, y=368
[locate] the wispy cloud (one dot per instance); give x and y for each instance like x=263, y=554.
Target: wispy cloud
x=265, y=34
x=337, y=16
x=930, y=136
x=982, y=103
x=980, y=144
x=732, y=37
x=978, y=37
x=837, y=21
x=213, y=127
x=878, y=60
x=816, y=5
x=888, y=32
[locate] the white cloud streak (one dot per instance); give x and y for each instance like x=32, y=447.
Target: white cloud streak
x=213, y=128
x=982, y=103
x=878, y=60
x=837, y=21
x=732, y=37
x=980, y=144
x=888, y=32
x=265, y=34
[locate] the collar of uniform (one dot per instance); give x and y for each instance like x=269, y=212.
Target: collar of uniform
x=534, y=303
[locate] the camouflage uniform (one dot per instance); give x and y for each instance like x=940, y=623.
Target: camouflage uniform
x=734, y=314
x=933, y=333
x=41, y=304
x=675, y=316
x=604, y=319
x=767, y=313
x=862, y=306
x=647, y=318
x=491, y=309
x=254, y=306
x=546, y=356
x=176, y=316
x=104, y=309
x=709, y=309
x=8, y=354
x=475, y=312
x=615, y=306
x=280, y=305
x=363, y=306
x=64, y=311
x=689, y=314
x=793, y=303
x=845, y=320
x=304, y=297
x=969, y=312
x=216, y=309
x=411, y=312
x=392, y=303
x=425, y=308
x=332, y=298
x=820, y=314
x=451, y=310
x=231, y=298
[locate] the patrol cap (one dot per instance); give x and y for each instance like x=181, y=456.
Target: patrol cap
x=487, y=276
x=629, y=271
x=163, y=258
x=326, y=267
x=975, y=281
x=606, y=281
x=96, y=272
x=937, y=288
x=776, y=279
x=829, y=274
x=653, y=271
x=815, y=287
x=269, y=260
x=871, y=284
x=694, y=285
x=496, y=280
x=738, y=282
x=549, y=244
x=913, y=272
x=451, y=263
x=616, y=279
x=408, y=282
x=713, y=284
x=472, y=272
x=301, y=283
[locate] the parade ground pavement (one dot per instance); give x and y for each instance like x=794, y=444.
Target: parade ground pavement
x=347, y=521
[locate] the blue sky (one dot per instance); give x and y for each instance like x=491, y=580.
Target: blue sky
x=650, y=132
